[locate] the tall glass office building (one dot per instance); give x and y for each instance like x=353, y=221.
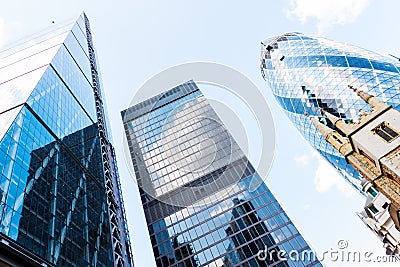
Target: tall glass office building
x=195, y=182
x=61, y=202
x=307, y=73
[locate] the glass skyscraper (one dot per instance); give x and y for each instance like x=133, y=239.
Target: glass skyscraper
x=61, y=202
x=194, y=182
x=307, y=73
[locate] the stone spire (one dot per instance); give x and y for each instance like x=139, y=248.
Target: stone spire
x=339, y=142
x=322, y=128
x=338, y=122
x=370, y=99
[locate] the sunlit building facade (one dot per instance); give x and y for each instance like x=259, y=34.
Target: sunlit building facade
x=371, y=145
x=61, y=203
x=307, y=74
x=194, y=182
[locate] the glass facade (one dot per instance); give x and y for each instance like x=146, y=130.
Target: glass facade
x=195, y=183
x=307, y=73
x=53, y=180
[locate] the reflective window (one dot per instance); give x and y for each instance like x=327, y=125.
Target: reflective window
x=385, y=66
x=317, y=76
x=208, y=216
x=52, y=195
x=386, y=132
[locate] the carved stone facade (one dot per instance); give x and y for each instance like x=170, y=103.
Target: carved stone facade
x=371, y=145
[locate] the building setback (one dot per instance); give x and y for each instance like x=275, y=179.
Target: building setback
x=61, y=202
x=194, y=182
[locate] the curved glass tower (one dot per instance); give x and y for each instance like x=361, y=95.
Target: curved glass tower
x=307, y=73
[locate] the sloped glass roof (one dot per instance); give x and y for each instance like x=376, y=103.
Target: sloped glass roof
x=21, y=68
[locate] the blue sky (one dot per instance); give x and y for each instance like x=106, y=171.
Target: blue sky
x=137, y=39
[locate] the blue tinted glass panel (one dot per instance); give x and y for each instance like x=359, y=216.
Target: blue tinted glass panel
x=316, y=61
x=57, y=107
x=358, y=62
x=75, y=80
x=81, y=38
x=78, y=55
x=41, y=191
x=336, y=61
x=385, y=66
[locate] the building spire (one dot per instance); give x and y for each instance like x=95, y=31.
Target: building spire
x=338, y=122
x=322, y=128
x=370, y=99
x=339, y=142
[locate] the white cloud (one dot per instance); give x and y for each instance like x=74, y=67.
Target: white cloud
x=326, y=177
x=327, y=12
x=303, y=159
